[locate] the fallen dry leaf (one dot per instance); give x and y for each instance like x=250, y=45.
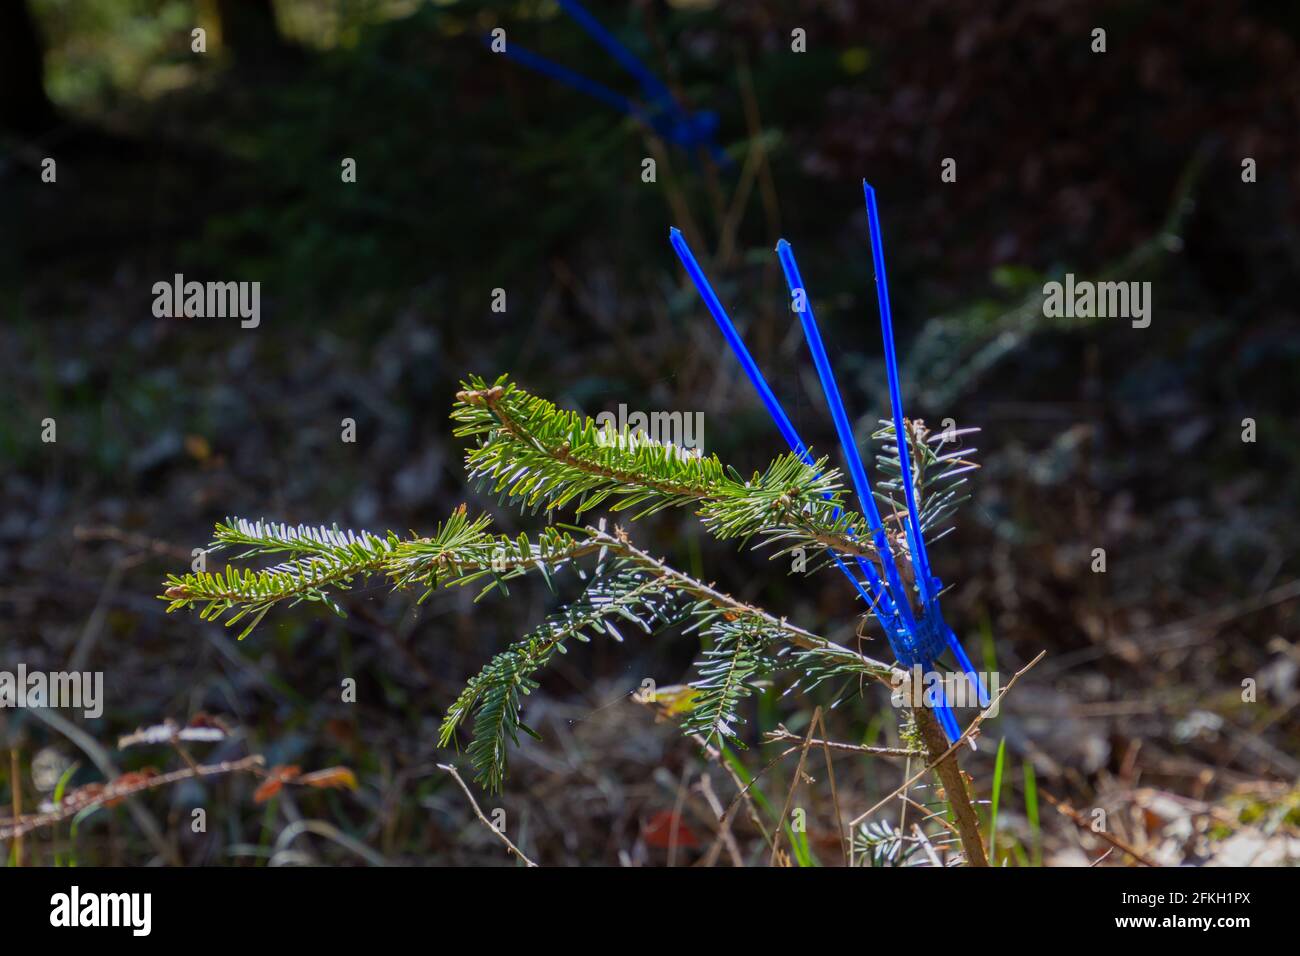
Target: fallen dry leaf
x=276, y=778
x=336, y=777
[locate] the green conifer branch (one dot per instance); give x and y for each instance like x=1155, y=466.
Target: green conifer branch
x=530, y=452
x=939, y=475
x=728, y=671
x=324, y=561
x=630, y=585
x=621, y=592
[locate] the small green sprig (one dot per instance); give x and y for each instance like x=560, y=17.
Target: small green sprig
x=939, y=474
x=324, y=561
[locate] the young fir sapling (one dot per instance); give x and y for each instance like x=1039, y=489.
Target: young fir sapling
x=533, y=454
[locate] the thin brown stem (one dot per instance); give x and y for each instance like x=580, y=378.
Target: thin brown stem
x=116, y=792
x=724, y=835
x=781, y=733
x=1068, y=811
x=486, y=822
x=794, y=783
x=835, y=795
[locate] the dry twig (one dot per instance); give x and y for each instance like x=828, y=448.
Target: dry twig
x=132, y=785
x=486, y=822
x=794, y=783
x=1068, y=811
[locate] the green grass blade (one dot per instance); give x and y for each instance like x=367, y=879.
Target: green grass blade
x=997, y=794
x=1031, y=811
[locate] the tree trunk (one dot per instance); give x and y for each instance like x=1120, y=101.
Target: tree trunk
x=249, y=31
x=24, y=107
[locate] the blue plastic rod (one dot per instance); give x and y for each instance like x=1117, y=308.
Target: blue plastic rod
x=729, y=332
x=650, y=84
x=915, y=540
x=878, y=599
x=844, y=430
x=663, y=113
x=598, y=91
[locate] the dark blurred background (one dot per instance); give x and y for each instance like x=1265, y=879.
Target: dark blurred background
x=474, y=174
